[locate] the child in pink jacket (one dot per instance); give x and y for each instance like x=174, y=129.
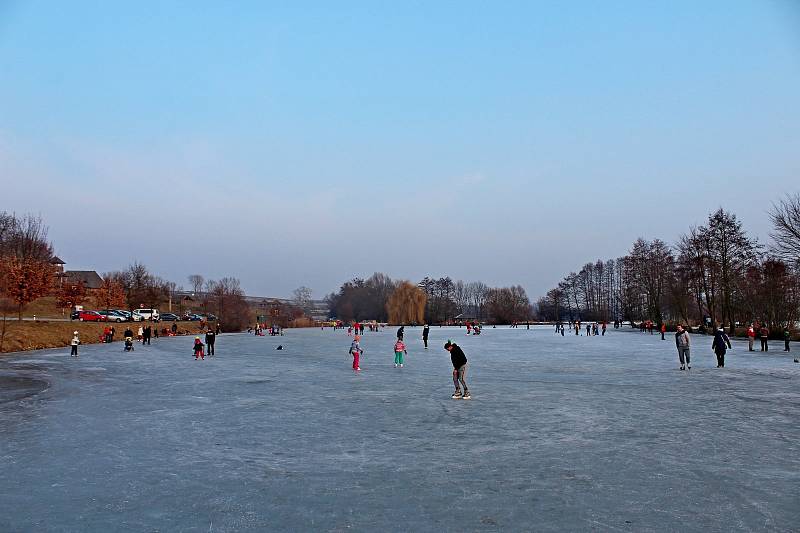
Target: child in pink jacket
x=399, y=350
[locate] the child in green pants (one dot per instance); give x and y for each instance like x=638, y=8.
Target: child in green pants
x=399, y=350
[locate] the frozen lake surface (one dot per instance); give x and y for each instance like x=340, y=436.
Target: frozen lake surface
x=572, y=433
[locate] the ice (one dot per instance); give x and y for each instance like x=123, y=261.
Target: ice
x=563, y=433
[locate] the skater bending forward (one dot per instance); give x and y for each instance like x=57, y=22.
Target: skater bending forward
x=459, y=361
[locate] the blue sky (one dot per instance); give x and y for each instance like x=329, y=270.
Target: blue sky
x=304, y=143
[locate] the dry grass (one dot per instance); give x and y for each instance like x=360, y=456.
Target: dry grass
x=29, y=335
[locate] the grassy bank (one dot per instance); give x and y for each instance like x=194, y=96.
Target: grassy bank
x=28, y=335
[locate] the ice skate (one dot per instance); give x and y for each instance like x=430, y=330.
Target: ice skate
x=467, y=395
x=457, y=395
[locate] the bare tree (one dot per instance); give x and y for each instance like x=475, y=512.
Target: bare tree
x=196, y=283
x=302, y=298
x=785, y=217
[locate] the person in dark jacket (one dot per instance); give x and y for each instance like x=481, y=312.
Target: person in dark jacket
x=210, y=339
x=425, y=330
x=400, y=332
x=787, y=336
x=148, y=333
x=459, y=361
x=720, y=346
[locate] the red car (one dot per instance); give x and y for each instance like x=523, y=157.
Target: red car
x=91, y=316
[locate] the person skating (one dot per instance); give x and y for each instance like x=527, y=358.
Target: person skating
x=148, y=332
x=73, y=350
x=426, y=329
x=764, y=336
x=140, y=334
x=751, y=337
x=210, y=339
x=197, y=349
x=399, y=351
x=128, y=332
x=720, y=345
x=356, y=351
x=683, y=344
x=604, y=329
x=459, y=361
x=787, y=336
x=400, y=332
x=663, y=330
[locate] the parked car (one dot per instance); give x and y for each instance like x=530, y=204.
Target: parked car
x=113, y=316
x=75, y=315
x=90, y=316
x=136, y=317
x=148, y=314
x=192, y=317
x=211, y=317
x=170, y=317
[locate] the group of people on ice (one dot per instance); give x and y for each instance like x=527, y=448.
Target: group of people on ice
x=722, y=343
x=457, y=358
x=144, y=335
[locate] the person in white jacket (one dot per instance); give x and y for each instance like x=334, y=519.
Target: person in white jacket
x=74, y=344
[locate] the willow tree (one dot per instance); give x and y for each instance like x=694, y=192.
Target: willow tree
x=406, y=305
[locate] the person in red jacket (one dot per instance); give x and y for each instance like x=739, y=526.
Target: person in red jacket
x=198, y=349
x=763, y=334
x=751, y=337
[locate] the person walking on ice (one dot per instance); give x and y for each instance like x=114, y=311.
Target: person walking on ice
x=764, y=336
x=787, y=336
x=426, y=329
x=356, y=351
x=751, y=337
x=198, y=349
x=210, y=339
x=683, y=343
x=399, y=350
x=73, y=350
x=459, y=361
x=720, y=345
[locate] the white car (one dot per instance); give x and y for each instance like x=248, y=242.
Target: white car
x=148, y=314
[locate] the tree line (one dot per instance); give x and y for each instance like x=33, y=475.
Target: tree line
x=27, y=273
x=433, y=301
x=713, y=274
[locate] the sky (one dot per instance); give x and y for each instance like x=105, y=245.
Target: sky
x=305, y=143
